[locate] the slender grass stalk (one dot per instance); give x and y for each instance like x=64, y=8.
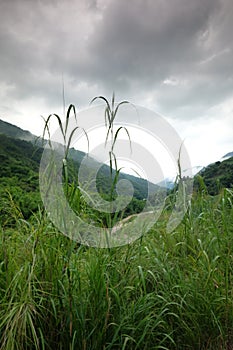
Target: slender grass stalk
x=110, y=114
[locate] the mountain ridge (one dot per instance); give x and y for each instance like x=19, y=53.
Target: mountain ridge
x=219, y=171
x=228, y=155
x=16, y=132
x=140, y=185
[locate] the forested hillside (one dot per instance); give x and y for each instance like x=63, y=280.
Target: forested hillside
x=19, y=169
x=217, y=176
x=19, y=174
x=16, y=132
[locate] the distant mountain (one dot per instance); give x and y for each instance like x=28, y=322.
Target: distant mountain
x=194, y=170
x=228, y=155
x=103, y=184
x=215, y=176
x=15, y=132
x=169, y=182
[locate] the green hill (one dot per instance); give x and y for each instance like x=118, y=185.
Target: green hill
x=19, y=173
x=19, y=176
x=140, y=185
x=217, y=175
x=16, y=132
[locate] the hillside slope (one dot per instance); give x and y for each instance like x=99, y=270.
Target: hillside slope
x=19, y=178
x=15, y=132
x=217, y=175
x=140, y=185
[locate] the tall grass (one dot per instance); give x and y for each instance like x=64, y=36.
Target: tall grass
x=164, y=291
x=112, y=133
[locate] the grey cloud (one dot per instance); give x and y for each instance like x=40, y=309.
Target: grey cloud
x=131, y=47
x=149, y=40
x=138, y=47
x=40, y=42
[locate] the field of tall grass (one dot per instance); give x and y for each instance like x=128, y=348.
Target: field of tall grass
x=164, y=291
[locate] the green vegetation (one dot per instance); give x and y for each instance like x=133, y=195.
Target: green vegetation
x=164, y=291
x=217, y=176
x=20, y=162
x=16, y=132
x=19, y=177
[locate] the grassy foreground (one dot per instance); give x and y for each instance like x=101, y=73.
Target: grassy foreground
x=164, y=291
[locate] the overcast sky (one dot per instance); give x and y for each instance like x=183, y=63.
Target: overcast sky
x=174, y=57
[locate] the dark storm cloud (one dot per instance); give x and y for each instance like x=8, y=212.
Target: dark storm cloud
x=177, y=53
x=147, y=45
x=151, y=38
x=39, y=42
